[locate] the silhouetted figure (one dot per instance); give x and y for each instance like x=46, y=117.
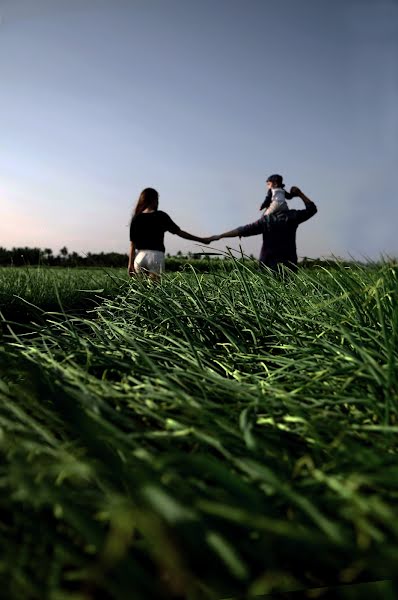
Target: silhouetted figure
x=147, y=228
x=279, y=233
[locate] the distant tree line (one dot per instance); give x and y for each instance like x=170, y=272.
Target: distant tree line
x=29, y=257
x=203, y=261
x=19, y=257
x=24, y=256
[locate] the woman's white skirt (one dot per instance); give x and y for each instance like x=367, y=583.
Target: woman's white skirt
x=149, y=261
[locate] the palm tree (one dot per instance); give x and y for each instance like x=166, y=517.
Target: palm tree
x=64, y=252
x=47, y=252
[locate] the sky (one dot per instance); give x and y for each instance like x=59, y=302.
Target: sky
x=201, y=100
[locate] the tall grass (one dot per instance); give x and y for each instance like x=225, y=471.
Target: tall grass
x=26, y=293
x=211, y=435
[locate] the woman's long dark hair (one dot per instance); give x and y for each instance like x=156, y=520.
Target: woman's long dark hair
x=149, y=198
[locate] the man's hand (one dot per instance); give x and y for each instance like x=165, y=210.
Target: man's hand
x=295, y=191
x=210, y=239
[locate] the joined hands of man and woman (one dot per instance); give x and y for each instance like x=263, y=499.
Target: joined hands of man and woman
x=278, y=227
x=295, y=192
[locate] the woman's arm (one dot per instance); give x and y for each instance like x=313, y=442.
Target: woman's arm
x=193, y=238
x=130, y=268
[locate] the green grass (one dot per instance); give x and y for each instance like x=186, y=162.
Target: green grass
x=211, y=436
x=25, y=293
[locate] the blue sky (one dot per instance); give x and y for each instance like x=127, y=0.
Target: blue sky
x=201, y=100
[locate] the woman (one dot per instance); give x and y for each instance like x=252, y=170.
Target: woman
x=147, y=228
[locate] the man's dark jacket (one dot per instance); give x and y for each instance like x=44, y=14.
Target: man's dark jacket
x=279, y=235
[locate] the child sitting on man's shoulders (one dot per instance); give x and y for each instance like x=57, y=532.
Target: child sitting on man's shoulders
x=275, y=200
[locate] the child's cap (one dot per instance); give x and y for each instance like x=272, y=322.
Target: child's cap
x=276, y=179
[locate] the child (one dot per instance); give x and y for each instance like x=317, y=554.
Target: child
x=275, y=200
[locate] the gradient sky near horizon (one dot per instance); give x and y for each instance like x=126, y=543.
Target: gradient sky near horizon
x=201, y=100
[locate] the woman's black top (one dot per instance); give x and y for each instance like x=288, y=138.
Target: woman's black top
x=147, y=230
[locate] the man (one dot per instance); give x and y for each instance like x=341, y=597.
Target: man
x=279, y=233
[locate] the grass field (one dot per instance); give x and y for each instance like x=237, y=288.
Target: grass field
x=213, y=436
x=26, y=293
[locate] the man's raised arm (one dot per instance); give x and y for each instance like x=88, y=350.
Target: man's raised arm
x=310, y=208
